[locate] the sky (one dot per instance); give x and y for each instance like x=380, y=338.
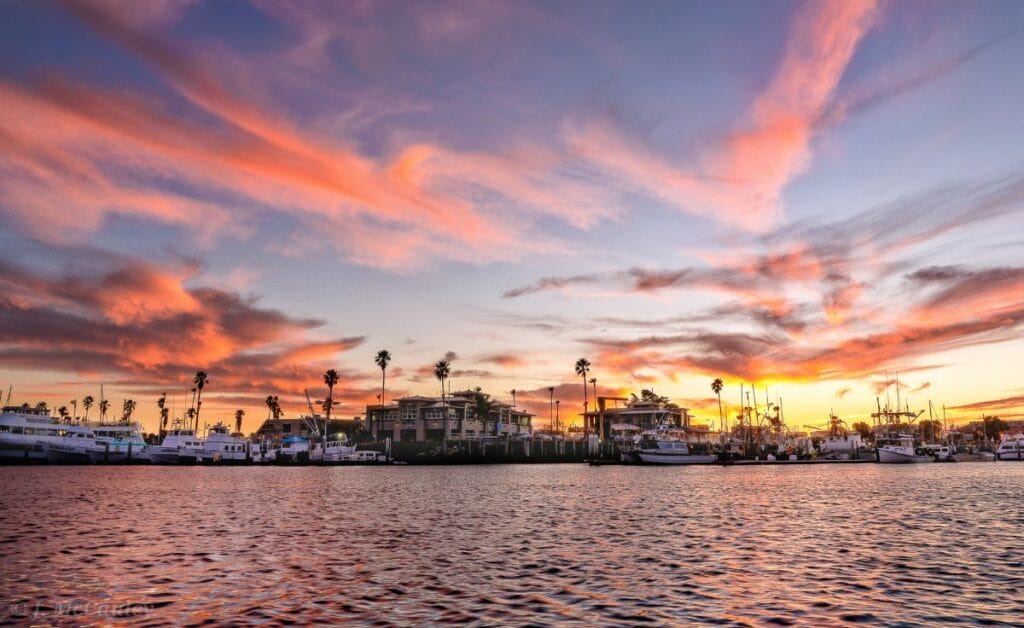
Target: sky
x=813, y=197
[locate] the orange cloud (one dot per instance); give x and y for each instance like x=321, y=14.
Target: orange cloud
x=742, y=180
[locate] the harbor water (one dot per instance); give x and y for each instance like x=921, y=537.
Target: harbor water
x=514, y=544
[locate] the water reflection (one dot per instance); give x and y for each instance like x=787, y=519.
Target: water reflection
x=515, y=544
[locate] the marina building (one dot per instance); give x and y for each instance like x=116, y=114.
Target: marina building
x=274, y=430
x=465, y=414
x=646, y=412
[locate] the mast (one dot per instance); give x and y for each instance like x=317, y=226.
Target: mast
x=898, y=406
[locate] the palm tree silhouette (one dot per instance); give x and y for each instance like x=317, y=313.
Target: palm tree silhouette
x=331, y=378
x=162, y=404
x=717, y=386
x=441, y=371
x=200, y=380
x=104, y=406
x=239, y=414
x=382, y=359
x=63, y=412
x=270, y=405
x=582, y=368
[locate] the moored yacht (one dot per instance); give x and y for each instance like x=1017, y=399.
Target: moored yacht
x=23, y=431
x=662, y=446
x=119, y=443
x=223, y=447
x=72, y=446
x=180, y=446
x=1011, y=447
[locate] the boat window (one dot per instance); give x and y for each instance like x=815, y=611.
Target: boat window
x=5, y=428
x=30, y=430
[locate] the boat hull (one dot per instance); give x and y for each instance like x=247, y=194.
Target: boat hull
x=979, y=457
x=162, y=455
x=60, y=454
x=895, y=457
x=673, y=459
x=1017, y=455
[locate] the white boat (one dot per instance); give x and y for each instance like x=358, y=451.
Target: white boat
x=119, y=443
x=1011, y=447
x=223, y=447
x=663, y=446
x=72, y=446
x=180, y=446
x=939, y=452
x=899, y=448
x=24, y=430
x=292, y=449
x=337, y=450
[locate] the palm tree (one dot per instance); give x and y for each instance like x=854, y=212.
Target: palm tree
x=41, y=406
x=582, y=368
x=104, y=406
x=513, y=398
x=63, y=413
x=482, y=410
x=441, y=371
x=200, y=380
x=331, y=378
x=239, y=414
x=87, y=402
x=129, y=410
x=270, y=405
x=382, y=360
x=716, y=386
x=74, y=409
x=162, y=404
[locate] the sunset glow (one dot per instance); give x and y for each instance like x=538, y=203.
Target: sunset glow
x=812, y=197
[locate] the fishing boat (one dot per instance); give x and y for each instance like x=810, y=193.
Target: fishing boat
x=891, y=444
x=223, y=447
x=119, y=443
x=899, y=448
x=179, y=446
x=1011, y=447
x=337, y=450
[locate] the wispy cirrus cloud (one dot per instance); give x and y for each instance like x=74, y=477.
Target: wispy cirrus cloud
x=741, y=180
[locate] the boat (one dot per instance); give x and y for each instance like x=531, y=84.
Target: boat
x=223, y=447
x=663, y=446
x=892, y=445
x=365, y=456
x=23, y=431
x=1011, y=447
x=899, y=448
x=179, y=446
x=119, y=443
x=938, y=452
x=73, y=445
x=839, y=442
x=293, y=449
x=337, y=450
x=975, y=456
